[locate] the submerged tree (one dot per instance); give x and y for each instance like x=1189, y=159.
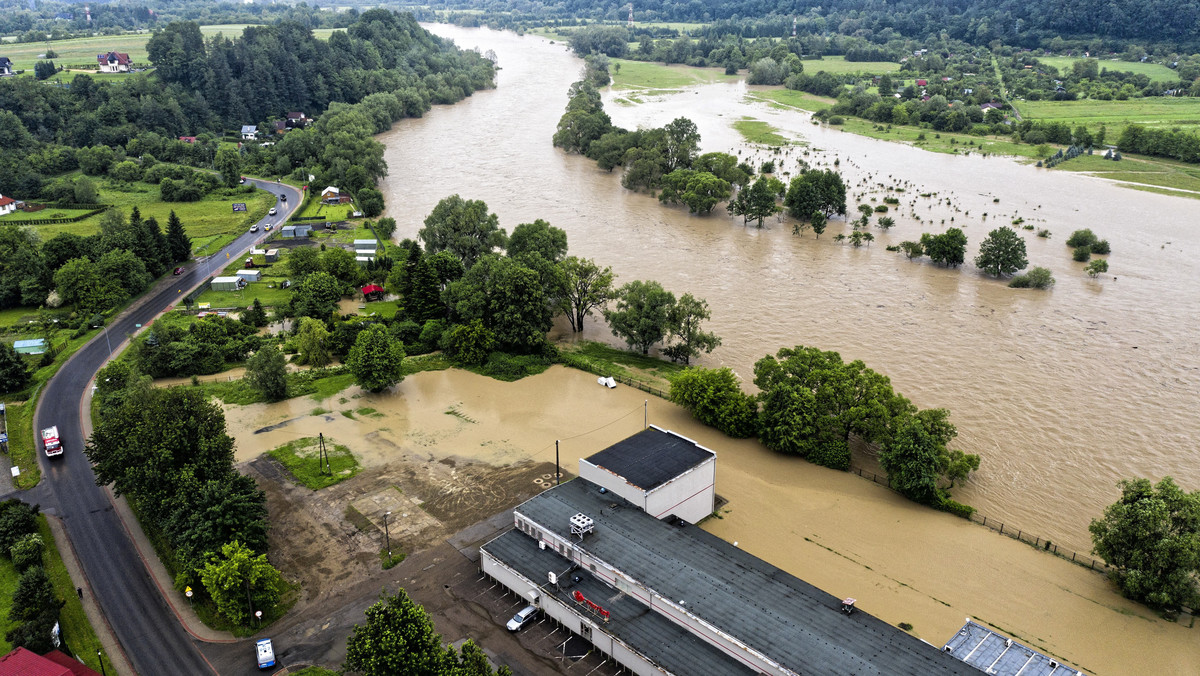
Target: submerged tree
x=1151, y=539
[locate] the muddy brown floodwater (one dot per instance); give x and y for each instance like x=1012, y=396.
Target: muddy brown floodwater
x=463, y=444
x=1063, y=392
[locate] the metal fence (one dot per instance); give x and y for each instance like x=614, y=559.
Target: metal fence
x=1004, y=529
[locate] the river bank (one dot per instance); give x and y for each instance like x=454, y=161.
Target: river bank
x=848, y=536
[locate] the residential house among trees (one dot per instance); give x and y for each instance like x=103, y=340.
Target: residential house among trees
x=5, y=66
x=332, y=195
x=296, y=121
x=114, y=62
x=7, y=205
x=249, y=131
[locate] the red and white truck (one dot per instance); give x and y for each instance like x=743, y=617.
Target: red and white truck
x=50, y=441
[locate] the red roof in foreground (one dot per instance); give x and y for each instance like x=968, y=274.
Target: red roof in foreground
x=372, y=288
x=76, y=668
x=5, y=201
x=22, y=662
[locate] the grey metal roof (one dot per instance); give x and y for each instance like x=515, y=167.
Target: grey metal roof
x=997, y=654
x=651, y=457
x=658, y=639
x=780, y=615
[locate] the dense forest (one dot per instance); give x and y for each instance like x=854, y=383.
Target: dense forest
x=1025, y=24
x=385, y=62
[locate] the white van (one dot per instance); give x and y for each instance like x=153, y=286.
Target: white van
x=266, y=653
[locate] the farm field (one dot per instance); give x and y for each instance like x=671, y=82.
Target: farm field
x=838, y=65
x=646, y=75
x=80, y=51
x=210, y=222
x=1159, y=111
x=1155, y=71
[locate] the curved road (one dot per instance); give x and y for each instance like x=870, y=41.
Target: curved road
x=145, y=625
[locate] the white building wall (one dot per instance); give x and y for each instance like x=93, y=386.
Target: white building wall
x=690, y=496
x=616, y=484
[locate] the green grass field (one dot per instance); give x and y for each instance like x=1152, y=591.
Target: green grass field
x=1155, y=71
x=49, y=212
x=211, y=222
x=757, y=131
x=81, y=51
x=330, y=212
x=301, y=457
x=1157, y=111
x=838, y=65
x=644, y=75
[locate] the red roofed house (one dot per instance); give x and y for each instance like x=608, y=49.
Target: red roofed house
x=114, y=62
x=188, y=139
x=7, y=205
x=22, y=662
x=922, y=83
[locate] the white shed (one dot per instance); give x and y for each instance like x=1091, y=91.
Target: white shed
x=660, y=471
x=227, y=283
x=288, y=232
x=249, y=275
x=363, y=260
x=272, y=255
x=366, y=245
x=302, y=229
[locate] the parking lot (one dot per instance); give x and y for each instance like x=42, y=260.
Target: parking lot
x=561, y=651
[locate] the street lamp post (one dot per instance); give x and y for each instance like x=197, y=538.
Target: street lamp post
x=100, y=656
x=106, y=340
x=387, y=536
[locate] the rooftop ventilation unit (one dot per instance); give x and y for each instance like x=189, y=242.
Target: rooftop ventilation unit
x=581, y=525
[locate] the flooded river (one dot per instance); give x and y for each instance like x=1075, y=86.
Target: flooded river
x=1062, y=392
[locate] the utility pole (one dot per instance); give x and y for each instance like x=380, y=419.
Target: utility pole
x=387, y=535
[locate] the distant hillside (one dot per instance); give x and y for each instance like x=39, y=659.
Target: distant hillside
x=1014, y=22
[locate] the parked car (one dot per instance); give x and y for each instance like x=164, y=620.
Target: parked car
x=177, y=271
x=273, y=211
x=254, y=228
x=522, y=618
x=266, y=653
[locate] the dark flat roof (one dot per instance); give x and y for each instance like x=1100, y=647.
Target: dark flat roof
x=654, y=636
x=780, y=615
x=651, y=457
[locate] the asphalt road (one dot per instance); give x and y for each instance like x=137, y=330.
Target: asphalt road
x=146, y=627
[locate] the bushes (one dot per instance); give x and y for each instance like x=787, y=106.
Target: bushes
x=716, y=399
x=956, y=508
x=1036, y=278
x=16, y=521
x=27, y=551
x=1085, y=242
x=509, y=367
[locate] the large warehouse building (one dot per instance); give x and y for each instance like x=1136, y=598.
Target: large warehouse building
x=662, y=596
